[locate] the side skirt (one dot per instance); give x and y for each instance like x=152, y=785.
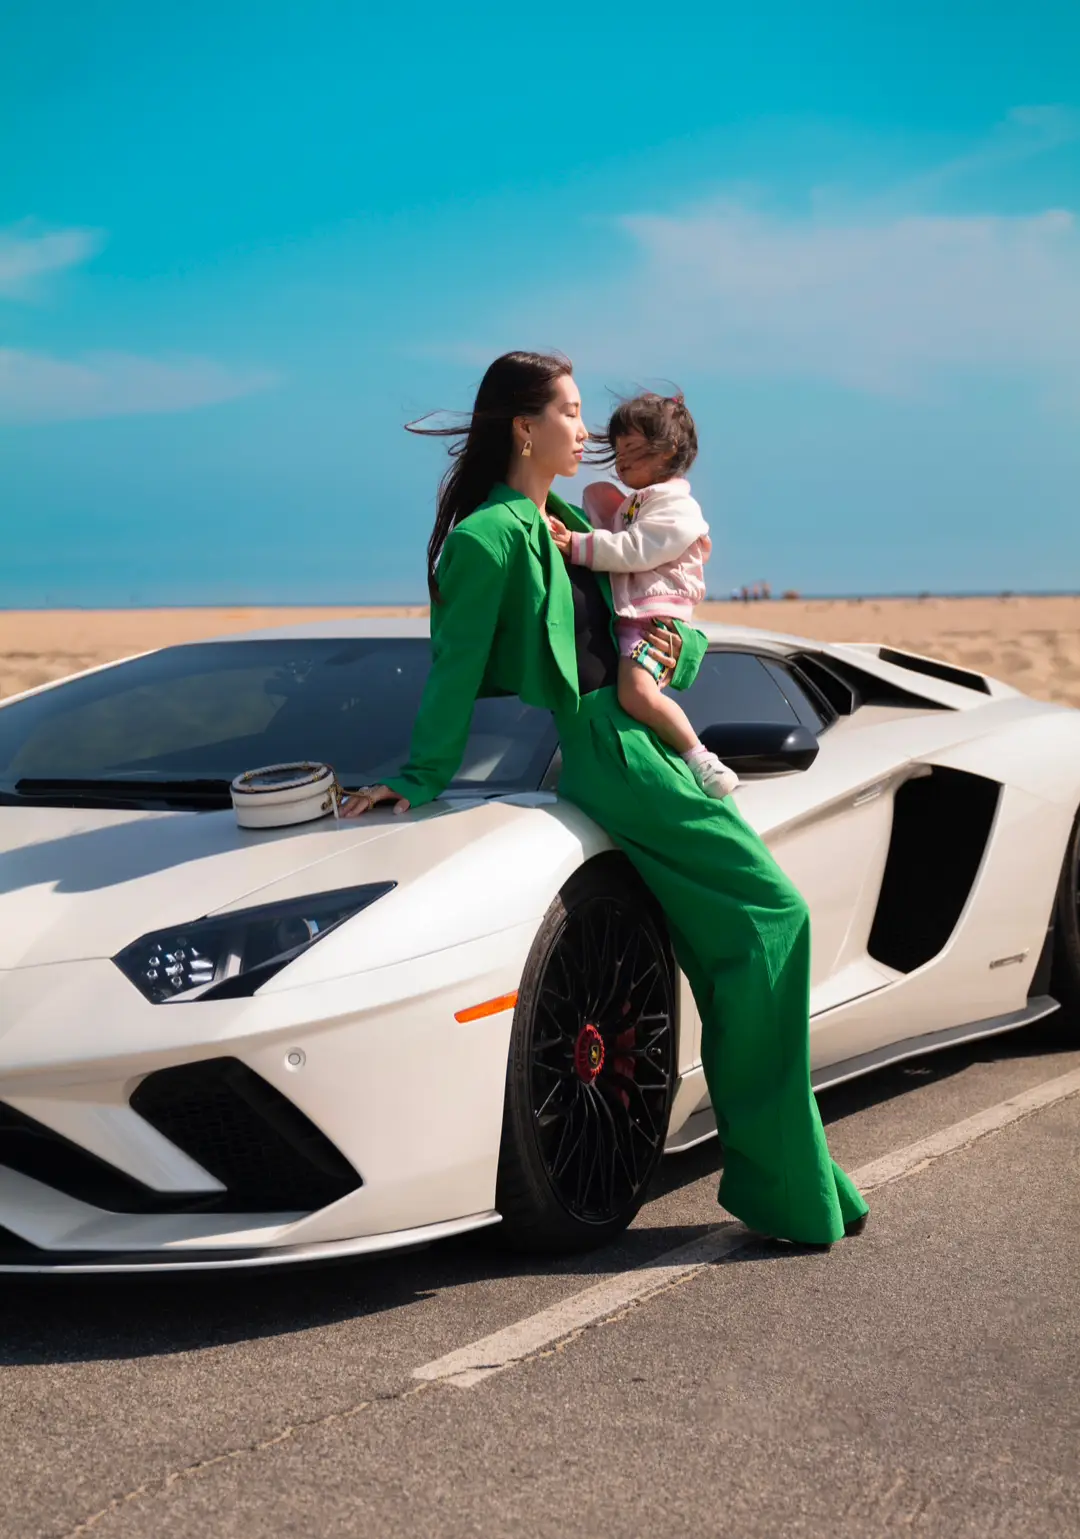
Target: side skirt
x=914, y=1047
x=702, y=1124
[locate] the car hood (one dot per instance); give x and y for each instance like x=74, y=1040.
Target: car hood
x=78, y=883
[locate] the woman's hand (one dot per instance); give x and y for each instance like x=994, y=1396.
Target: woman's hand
x=560, y=534
x=665, y=644
x=359, y=802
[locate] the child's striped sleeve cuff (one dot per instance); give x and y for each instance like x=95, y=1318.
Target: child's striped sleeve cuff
x=581, y=549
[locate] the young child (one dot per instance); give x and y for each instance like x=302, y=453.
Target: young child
x=654, y=543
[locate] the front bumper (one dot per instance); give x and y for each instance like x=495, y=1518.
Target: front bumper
x=375, y=1064
x=213, y=1260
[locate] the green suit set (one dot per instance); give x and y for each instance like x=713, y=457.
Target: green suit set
x=740, y=930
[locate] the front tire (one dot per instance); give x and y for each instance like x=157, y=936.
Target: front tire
x=591, y=1066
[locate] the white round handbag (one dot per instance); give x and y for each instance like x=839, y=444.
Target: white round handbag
x=281, y=794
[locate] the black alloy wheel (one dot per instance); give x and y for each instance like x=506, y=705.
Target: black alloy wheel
x=591, y=1066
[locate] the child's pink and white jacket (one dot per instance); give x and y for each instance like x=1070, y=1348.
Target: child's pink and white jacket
x=654, y=543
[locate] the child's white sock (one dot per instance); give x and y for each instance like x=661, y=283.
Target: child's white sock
x=696, y=754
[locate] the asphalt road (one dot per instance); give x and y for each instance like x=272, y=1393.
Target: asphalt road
x=924, y=1378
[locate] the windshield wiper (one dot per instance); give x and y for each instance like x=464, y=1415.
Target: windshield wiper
x=205, y=794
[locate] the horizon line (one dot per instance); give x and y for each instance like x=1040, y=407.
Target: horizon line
x=418, y=603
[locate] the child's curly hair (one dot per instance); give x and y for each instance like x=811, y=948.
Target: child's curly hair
x=664, y=421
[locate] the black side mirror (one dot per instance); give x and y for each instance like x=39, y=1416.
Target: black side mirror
x=761, y=747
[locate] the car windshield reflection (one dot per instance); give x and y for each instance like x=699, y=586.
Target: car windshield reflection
x=211, y=710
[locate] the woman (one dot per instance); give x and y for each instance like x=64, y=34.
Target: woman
x=510, y=617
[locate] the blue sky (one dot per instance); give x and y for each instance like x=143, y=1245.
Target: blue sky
x=241, y=244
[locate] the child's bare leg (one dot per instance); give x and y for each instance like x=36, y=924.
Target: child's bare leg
x=642, y=698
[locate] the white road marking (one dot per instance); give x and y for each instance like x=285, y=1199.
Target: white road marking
x=472, y=1364
x=468, y=1365
x=915, y=1157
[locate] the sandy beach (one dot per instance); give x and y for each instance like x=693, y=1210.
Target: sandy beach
x=1033, y=643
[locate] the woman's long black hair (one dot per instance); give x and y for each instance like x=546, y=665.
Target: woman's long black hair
x=515, y=385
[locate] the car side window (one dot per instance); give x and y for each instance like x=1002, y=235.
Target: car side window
x=736, y=687
x=806, y=708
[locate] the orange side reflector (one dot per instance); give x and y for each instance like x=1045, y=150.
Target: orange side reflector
x=489, y=1007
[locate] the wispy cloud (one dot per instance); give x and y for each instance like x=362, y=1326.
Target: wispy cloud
x=37, y=388
x=1025, y=134
x=26, y=255
x=877, y=306
x=879, y=295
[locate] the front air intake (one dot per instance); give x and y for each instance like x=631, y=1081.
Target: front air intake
x=32, y=1149
x=267, y=1154
x=270, y=1157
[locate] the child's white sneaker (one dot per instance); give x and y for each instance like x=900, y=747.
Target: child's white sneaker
x=713, y=776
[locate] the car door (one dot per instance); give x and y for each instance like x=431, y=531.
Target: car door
x=828, y=826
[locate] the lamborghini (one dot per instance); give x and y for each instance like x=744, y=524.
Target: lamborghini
x=224, y=1046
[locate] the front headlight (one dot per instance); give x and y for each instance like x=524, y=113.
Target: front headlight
x=231, y=955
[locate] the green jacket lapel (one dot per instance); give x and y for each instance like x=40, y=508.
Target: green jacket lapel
x=558, y=601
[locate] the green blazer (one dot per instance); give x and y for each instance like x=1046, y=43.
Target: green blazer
x=505, y=626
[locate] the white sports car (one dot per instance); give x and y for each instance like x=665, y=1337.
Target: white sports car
x=222, y=1046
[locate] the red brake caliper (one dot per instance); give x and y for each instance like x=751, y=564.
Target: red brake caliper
x=624, y=1066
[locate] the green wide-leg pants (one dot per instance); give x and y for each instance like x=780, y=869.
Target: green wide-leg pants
x=741, y=933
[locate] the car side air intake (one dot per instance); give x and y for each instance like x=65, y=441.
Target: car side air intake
x=941, y=826
x=934, y=670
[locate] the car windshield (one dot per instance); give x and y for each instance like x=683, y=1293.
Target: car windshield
x=212, y=710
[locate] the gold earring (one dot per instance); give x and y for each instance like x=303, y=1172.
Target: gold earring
x=526, y=449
